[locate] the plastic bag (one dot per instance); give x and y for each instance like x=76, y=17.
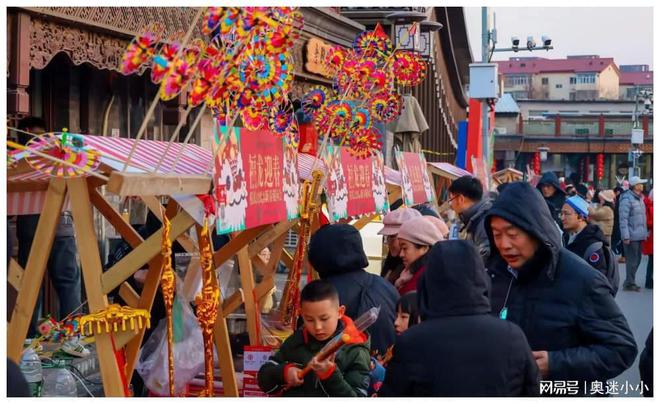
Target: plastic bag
x=188, y=352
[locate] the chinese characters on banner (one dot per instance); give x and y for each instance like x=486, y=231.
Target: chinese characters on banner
x=415, y=181
x=354, y=186
x=255, y=180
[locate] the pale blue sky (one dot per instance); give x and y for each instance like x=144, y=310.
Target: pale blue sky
x=626, y=34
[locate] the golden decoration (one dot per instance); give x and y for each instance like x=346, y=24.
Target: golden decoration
x=113, y=318
x=207, y=304
x=167, y=284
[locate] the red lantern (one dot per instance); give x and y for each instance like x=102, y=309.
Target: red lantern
x=600, y=166
x=536, y=163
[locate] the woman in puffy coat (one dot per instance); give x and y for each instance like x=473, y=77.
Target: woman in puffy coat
x=603, y=214
x=647, y=245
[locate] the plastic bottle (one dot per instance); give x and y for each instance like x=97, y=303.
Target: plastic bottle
x=59, y=382
x=31, y=368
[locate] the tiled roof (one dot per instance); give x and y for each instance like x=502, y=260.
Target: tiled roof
x=636, y=78
x=540, y=65
x=506, y=104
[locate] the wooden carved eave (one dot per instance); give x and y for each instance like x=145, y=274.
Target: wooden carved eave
x=48, y=38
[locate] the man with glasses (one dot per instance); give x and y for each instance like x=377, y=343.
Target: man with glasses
x=466, y=199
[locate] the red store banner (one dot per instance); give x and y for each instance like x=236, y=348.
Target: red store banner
x=255, y=179
x=415, y=182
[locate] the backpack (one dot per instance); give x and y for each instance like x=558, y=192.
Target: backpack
x=612, y=269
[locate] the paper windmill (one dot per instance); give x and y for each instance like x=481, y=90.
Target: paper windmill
x=409, y=68
x=363, y=143
x=370, y=43
x=87, y=159
x=161, y=62
x=315, y=98
x=140, y=50
x=181, y=72
x=268, y=75
x=281, y=120
x=341, y=117
x=211, y=19
x=361, y=119
x=386, y=107
x=253, y=118
x=208, y=69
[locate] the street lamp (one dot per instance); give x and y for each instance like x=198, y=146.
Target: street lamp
x=543, y=152
x=406, y=35
x=637, y=134
x=428, y=29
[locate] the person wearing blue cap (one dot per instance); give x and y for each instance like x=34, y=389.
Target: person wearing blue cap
x=582, y=238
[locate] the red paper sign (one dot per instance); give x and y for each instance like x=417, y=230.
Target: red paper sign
x=354, y=186
x=415, y=182
x=255, y=180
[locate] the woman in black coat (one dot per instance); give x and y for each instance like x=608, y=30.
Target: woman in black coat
x=459, y=349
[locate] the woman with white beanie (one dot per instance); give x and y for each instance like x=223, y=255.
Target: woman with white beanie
x=416, y=237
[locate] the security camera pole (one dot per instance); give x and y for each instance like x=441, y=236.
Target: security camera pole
x=488, y=36
x=637, y=137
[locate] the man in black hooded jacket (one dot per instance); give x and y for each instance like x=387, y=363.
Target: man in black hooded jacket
x=445, y=355
x=337, y=254
x=553, y=194
x=565, y=308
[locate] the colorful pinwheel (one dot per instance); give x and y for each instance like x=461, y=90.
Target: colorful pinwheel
x=140, y=50
x=315, y=98
x=363, y=143
x=211, y=19
x=161, y=63
x=371, y=43
x=181, y=72
x=253, y=118
x=409, y=68
x=85, y=158
x=281, y=120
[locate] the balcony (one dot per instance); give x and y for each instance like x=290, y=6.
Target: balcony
x=573, y=127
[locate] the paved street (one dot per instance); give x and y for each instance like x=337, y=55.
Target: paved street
x=638, y=309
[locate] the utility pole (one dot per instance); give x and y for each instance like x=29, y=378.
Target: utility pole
x=485, y=121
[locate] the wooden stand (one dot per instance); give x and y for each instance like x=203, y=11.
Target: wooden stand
x=84, y=194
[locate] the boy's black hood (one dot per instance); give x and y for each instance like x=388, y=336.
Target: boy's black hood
x=454, y=282
x=336, y=249
x=550, y=178
x=524, y=207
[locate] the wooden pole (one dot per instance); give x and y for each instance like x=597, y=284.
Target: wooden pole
x=90, y=259
x=35, y=268
x=247, y=283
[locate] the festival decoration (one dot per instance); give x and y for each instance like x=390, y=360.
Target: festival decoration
x=54, y=331
x=181, y=71
x=69, y=148
x=141, y=49
x=114, y=317
x=207, y=304
x=369, y=77
x=167, y=285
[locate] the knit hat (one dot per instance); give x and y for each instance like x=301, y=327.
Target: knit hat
x=396, y=218
x=420, y=231
x=440, y=225
x=607, y=195
x=579, y=205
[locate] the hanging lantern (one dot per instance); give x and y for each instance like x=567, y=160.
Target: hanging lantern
x=600, y=166
x=536, y=163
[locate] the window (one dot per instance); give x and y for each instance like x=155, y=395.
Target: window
x=537, y=112
x=558, y=86
x=586, y=78
x=573, y=80
x=609, y=131
x=581, y=131
x=544, y=81
x=516, y=80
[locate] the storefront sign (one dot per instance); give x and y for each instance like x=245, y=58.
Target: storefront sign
x=415, y=182
x=255, y=179
x=353, y=186
x=315, y=52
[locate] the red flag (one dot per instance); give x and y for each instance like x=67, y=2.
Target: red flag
x=413, y=29
x=380, y=31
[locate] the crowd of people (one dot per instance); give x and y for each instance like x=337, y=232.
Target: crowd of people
x=523, y=296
